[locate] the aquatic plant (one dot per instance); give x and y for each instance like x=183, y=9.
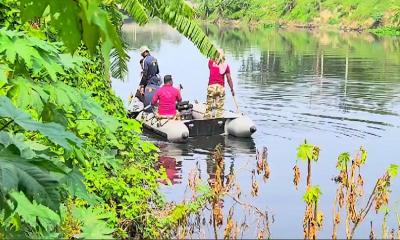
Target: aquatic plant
x=313, y=218
x=351, y=190
x=262, y=164
x=221, y=188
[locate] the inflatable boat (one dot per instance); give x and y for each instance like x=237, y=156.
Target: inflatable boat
x=191, y=123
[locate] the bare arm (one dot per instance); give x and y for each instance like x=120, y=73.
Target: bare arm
x=230, y=83
x=179, y=97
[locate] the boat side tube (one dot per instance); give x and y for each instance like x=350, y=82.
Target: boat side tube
x=173, y=130
x=242, y=126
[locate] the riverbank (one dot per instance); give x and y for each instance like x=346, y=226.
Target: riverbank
x=381, y=31
x=380, y=17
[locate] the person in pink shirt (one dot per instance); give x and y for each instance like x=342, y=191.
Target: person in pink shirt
x=167, y=96
x=216, y=91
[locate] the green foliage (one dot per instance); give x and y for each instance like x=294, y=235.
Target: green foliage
x=308, y=152
x=393, y=170
x=23, y=169
x=34, y=214
x=53, y=131
x=93, y=223
x=343, y=160
x=77, y=21
x=178, y=14
x=386, y=31
x=136, y=10
x=68, y=153
x=312, y=194
x=88, y=22
x=363, y=157
x=346, y=13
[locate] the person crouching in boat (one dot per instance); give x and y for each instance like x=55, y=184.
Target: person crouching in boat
x=216, y=91
x=167, y=96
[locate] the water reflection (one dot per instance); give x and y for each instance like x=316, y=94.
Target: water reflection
x=339, y=90
x=206, y=144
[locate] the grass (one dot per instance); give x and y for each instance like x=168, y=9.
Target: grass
x=387, y=31
x=383, y=15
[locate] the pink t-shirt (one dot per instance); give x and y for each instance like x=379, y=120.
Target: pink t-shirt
x=217, y=73
x=166, y=96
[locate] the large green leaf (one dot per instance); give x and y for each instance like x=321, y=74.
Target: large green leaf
x=135, y=10
x=98, y=113
x=343, y=159
x=93, y=222
x=53, y=100
x=119, y=63
x=65, y=96
x=33, y=213
x=33, y=152
x=53, y=113
x=393, y=170
x=73, y=181
x=304, y=151
x=17, y=46
x=27, y=94
x=39, y=56
x=31, y=9
x=312, y=194
x=7, y=139
x=178, y=14
x=76, y=21
x=66, y=21
x=20, y=174
x=55, y=132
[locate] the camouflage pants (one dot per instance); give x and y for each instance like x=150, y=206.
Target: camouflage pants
x=215, y=96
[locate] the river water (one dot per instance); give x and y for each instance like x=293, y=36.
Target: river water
x=339, y=91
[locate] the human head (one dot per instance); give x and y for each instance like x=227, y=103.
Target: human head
x=221, y=56
x=168, y=80
x=144, y=51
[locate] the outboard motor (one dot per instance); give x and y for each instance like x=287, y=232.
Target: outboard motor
x=185, y=110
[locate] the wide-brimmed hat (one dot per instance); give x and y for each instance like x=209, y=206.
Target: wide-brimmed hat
x=144, y=49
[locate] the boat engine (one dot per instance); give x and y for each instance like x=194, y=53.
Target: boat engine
x=185, y=110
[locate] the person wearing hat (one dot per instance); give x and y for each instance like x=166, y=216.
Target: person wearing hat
x=150, y=80
x=150, y=69
x=216, y=85
x=167, y=96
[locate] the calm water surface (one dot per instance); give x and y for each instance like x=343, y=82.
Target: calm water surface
x=339, y=91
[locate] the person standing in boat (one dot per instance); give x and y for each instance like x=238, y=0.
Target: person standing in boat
x=150, y=80
x=216, y=90
x=167, y=97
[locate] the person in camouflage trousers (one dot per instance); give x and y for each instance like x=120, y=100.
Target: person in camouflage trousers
x=216, y=90
x=215, y=100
